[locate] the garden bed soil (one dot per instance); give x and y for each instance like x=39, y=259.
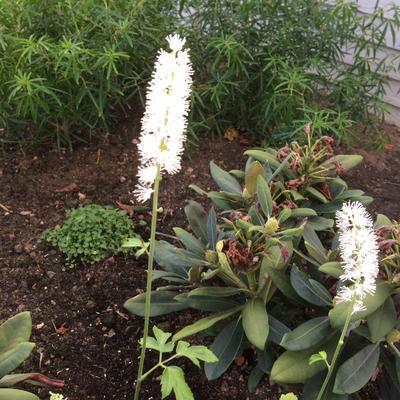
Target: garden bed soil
x=82, y=333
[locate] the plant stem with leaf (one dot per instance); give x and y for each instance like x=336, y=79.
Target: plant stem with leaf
x=140, y=376
x=331, y=366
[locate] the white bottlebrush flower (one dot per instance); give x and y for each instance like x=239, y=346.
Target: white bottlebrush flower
x=165, y=118
x=359, y=251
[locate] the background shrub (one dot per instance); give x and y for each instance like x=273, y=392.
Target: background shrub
x=91, y=233
x=265, y=67
x=70, y=66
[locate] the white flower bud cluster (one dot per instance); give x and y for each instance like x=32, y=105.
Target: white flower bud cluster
x=165, y=120
x=359, y=251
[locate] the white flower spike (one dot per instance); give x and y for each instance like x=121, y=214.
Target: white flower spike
x=165, y=119
x=359, y=251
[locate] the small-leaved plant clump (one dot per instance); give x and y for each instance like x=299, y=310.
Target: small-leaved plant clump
x=91, y=233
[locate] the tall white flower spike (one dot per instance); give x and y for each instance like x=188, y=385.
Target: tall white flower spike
x=359, y=251
x=165, y=119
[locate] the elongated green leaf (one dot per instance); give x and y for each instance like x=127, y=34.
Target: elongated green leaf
x=317, y=194
x=282, y=281
x=175, y=259
x=382, y=321
x=293, y=366
x=255, y=322
x=252, y=173
x=173, y=378
x=302, y=212
x=276, y=330
x=212, y=229
x=214, y=291
x=312, y=239
x=14, y=356
x=264, y=196
x=204, y=323
x=315, y=254
x=162, y=302
x=225, y=347
x=220, y=200
x=15, y=394
x=382, y=220
x=264, y=157
x=332, y=268
x=354, y=373
x=309, y=289
x=191, y=243
x=307, y=334
x=224, y=179
x=207, y=303
x=255, y=377
x=15, y=330
x=320, y=223
x=346, y=161
x=197, y=218
x=372, y=302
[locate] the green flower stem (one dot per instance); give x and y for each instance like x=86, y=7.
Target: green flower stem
x=148, y=286
x=331, y=367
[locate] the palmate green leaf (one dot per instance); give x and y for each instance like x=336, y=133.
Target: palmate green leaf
x=307, y=334
x=224, y=179
x=354, y=373
x=162, y=339
x=372, y=302
x=204, y=323
x=255, y=322
x=225, y=347
x=264, y=196
x=195, y=353
x=162, y=302
x=382, y=321
x=173, y=379
x=197, y=218
x=15, y=394
x=309, y=289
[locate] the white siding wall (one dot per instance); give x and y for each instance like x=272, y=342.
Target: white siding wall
x=391, y=49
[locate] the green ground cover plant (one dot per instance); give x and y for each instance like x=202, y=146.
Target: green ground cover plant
x=91, y=233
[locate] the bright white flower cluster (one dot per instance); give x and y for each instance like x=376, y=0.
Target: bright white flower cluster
x=165, y=119
x=359, y=251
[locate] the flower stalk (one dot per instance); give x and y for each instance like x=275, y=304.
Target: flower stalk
x=140, y=376
x=359, y=252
